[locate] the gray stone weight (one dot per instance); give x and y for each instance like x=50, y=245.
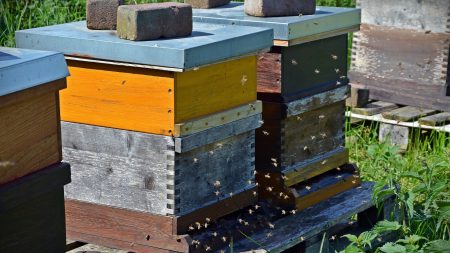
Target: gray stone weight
x=206, y=4
x=154, y=21
x=275, y=8
x=102, y=14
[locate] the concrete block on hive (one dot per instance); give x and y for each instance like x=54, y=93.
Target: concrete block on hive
x=206, y=4
x=153, y=21
x=102, y=14
x=274, y=8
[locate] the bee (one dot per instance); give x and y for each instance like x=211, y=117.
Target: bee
x=217, y=184
x=214, y=234
x=257, y=207
x=293, y=212
x=244, y=79
x=317, y=71
x=337, y=71
x=271, y=225
x=269, y=189
x=224, y=239
x=250, y=211
x=294, y=62
x=283, y=212
x=334, y=57
x=208, y=219
x=267, y=175
x=217, y=193
x=308, y=188
x=324, y=162
x=265, y=133
x=207, y=248
x=269, y=234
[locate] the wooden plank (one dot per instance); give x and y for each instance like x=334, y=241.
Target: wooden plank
x=316, y=166
x=29, y=136
x=217, y=119
x=217, y=210
x=415, y=124
x=32, y=212
x=119, y=97
x=269, y=71
x=436, y=119
x=292, y=230
x=375, y=108
x=123, y=229
x=214, y=88
x=407, y=113
x=31, y=93
x=316, y=101
x=218, y=133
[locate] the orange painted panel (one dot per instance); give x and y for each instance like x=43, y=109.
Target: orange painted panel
x=214, y=88
x=122, y=97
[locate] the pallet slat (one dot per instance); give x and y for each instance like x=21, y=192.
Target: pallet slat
x=375, y=108
x=407, y=113
x=436, y=119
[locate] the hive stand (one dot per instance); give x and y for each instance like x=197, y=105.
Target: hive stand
x=160, y=134
x=403, y=59
x=299, y=233
x=397, y=121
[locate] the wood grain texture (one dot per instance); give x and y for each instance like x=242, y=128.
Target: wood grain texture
x=120, y=228
x=283, y=142
x=120, y=97
x=407, y=113
x=316, y=166
x=214, y=120
x=217, y=210
x=375, y=108
x=110, y=165
x=306, y=69
x=29, y=135
x=211, y=135
x=214, y=88
x=402, y=66
x=325, y=186
x=229, y=161
x=436, y=119
x=153, y=101
x=32, y=212
x=269, y=71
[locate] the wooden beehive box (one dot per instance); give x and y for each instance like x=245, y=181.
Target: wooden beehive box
x=32, y=211
x=157, y=86
x=309, y=53
x=29, y=110
x=306, y=137
x=160, y=134
x=404, y=59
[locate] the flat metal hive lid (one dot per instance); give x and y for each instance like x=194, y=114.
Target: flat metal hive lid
x=208, y=44
x=325, y=20
x=21, y=69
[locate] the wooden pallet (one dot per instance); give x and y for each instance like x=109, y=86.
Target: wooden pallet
x=396, y=121
x=301, y=232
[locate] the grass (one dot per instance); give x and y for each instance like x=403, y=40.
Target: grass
x=419, y=178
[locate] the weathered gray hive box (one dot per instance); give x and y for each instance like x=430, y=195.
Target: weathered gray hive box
x=402, y=52
x=30, y=81
x=159, y=133
x=309, y=53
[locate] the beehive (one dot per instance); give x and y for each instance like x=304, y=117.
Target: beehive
x=302, y=82
x=309, y=53
x=159, y=132
x=404, y=59
x=29, y=111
